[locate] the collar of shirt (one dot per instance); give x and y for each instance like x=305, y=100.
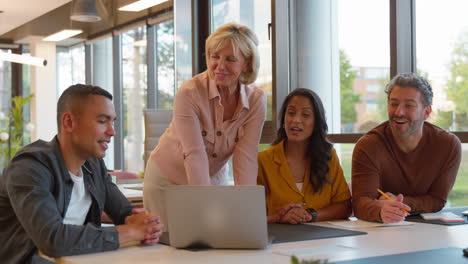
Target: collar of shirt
x=214, y=93
x=284, y=171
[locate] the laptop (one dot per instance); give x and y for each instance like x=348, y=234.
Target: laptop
x=216, y=216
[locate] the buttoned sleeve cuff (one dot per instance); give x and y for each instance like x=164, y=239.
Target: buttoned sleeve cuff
x=110, y=238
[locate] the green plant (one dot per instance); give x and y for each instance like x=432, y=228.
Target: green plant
x=11, y=137
x=295, y=260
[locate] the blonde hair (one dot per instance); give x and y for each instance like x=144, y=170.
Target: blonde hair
x=243, y=39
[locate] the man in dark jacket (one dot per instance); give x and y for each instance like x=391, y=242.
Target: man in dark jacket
x=52, y=193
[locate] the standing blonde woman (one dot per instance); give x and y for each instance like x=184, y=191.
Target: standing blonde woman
x=217, y=114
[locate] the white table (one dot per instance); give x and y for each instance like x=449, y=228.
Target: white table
x=133, y=192
x=379, y=241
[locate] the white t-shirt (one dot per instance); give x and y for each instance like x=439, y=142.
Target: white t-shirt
x=80, y=201
x=299, y=185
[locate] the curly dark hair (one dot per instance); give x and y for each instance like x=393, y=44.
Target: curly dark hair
x=319, y=148
x=409, y=79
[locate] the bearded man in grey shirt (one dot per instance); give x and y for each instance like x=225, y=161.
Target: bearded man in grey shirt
x=52, y=193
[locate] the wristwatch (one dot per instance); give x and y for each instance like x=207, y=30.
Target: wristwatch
x=313, y=213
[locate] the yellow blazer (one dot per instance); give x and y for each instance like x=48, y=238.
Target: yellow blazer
x=281, y=189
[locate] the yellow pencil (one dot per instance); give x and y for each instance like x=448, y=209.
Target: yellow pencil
x=388, y=197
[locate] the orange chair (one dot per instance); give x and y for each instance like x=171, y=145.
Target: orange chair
x=124, y=175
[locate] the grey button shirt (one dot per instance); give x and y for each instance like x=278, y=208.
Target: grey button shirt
x=35, y=191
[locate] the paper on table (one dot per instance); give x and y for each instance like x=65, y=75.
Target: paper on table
x=135, y=186
x=352, y=224
x=130, y=193
x=443, y=216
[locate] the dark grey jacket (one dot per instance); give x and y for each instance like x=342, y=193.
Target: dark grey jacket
x=35, y=191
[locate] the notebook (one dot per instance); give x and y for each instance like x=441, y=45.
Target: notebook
x=216, y=216
x=448, y=217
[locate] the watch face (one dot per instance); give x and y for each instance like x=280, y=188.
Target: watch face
x=313, y=213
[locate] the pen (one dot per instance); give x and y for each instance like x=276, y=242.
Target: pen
x=388, y=197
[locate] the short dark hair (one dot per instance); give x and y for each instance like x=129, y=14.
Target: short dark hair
x=74, y=96
x=318, y=148
x=409, y=79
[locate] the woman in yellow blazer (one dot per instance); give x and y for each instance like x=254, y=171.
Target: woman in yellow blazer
x=301, y=172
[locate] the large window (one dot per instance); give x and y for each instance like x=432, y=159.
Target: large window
x=444, y=59
x=5, y=90
x=337, y=53
x=70, y=67
x=257, y=16
x=459, y=194
x=341, y=49
x=5, y=103
x=165, y=64
x=26, y=90
x=147, y=80
x=135, y=86
x=442, y=56
x=364, y=61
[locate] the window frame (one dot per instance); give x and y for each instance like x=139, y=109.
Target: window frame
x=402, y=58
x=117, y=72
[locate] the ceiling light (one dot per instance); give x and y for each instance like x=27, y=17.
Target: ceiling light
x=9, y=46
x=24, y=59
x=64, y=34
x=140, y=5
x=84, y=11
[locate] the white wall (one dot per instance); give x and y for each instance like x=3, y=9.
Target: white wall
x=44, y=88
